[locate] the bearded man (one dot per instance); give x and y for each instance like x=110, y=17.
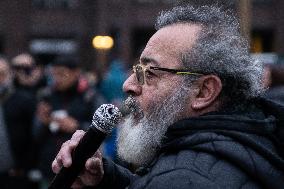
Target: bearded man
x=197, y=121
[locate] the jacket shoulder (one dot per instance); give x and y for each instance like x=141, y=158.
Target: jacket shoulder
x=197, y=170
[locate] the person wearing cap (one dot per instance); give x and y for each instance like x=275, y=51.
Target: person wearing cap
x=63, y=107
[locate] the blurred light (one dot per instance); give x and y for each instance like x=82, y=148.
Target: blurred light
x=257, y=44
x=102, y=42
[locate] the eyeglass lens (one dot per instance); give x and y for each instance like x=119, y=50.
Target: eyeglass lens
x=139, y=74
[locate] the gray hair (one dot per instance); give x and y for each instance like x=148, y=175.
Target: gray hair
x=219, y=50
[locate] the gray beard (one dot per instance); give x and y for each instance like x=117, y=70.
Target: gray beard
x=139, y=142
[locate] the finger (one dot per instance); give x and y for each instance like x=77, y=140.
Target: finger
x=64, y=157
x=77, y=184
x=94, y=165
x=65, y=153
x=93, y=176
x=68, y=147
x=98, y=154
x=78, y=135
x=56, y=165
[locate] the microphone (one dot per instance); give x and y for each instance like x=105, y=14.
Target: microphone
x=104, y=120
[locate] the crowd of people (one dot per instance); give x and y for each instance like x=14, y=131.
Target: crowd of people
x=41, y=107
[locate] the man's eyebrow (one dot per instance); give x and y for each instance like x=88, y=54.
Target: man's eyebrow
x=146, y=60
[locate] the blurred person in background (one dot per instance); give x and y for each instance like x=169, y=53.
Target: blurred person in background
x=16, y=117
x=90, y=80
x=112, y=81
x=274, y=82
x=64, y=106
x=111, y=88
x=28, y=75
x=196, y=119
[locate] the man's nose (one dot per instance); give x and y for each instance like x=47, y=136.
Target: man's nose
x=131, y=86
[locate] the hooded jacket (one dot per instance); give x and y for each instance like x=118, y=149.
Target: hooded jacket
x=218, y=150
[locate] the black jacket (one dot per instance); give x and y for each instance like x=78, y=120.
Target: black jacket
x=18, y=112
x=79, y=105
x=216, y=150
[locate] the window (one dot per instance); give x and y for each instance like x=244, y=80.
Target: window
x=55, y=4
x=262, y=41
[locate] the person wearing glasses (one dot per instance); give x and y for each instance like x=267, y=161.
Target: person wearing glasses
x=28, y=75
x=197, y=120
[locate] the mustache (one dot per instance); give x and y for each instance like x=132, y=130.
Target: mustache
x=131, y=107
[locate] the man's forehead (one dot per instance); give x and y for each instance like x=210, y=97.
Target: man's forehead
x=169, y=42
x=148, y=60
x=182, y=35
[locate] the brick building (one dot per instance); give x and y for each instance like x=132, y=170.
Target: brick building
x=51, y=27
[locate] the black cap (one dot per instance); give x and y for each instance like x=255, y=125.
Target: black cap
x=66, y=61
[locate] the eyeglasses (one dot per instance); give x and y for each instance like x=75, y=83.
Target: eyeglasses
x=140, y=70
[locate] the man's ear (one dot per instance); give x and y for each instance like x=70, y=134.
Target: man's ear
x=209, y=88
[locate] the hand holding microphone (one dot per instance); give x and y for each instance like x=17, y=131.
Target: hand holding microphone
x=93, y=171
x=76, y=153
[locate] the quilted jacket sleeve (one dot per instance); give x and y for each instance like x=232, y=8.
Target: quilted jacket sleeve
x=115, y=176
x=182, y=179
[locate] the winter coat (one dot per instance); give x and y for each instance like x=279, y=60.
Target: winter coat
x=18, y=109
x=217, y=150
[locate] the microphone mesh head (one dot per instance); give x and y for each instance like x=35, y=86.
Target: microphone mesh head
x=106, y=117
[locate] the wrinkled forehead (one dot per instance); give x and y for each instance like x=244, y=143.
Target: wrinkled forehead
x=167, y=44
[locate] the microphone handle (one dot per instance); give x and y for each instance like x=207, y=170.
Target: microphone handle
x=87, y=146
